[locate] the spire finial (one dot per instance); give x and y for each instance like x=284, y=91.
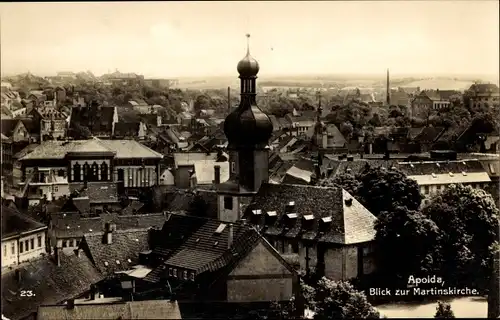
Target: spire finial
x=248, y=43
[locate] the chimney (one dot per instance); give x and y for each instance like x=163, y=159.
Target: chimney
x=18, y=276
x=229, y=99
x=230, y=236
x=317, y=171
x=109, y=228
x=217, y=174
x=348, y=202
x=388, y=98
x=57, y=256
x=71, y=304
x=92, y=292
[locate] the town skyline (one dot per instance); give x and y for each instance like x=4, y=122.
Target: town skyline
x=331, y=38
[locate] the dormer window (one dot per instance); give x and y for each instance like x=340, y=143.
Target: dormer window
x=271, y=217
x=307, y=222
x=292, y=216
x=325, y=223
x=257, y=212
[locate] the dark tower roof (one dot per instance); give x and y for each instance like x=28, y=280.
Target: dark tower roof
x=248, y=126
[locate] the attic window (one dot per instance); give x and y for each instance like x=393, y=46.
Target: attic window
x=434, y=175
x=216, y=243
x=117, y=261
x=221, y=228
x=257, y=212
x=309, y=217
x=271, y=213
x=464, y=173
x=451, y=174
x=106, y=263
x=292, y=216
x=326, y=219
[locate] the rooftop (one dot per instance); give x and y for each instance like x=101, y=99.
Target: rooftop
x=122, y=148
x=16, y=223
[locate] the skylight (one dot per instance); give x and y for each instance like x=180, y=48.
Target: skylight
x=221, y=228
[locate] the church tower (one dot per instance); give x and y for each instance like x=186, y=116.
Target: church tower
x=248, y=130
x=319, y=136
x=388, y=97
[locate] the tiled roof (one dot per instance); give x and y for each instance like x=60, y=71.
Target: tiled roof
x=429, y=134
x=8, y=126
x=192, y=243
x=455, y=178
x=123, y=148
x=181, y=200
x=50, y=112
x=73, y=225
x=148, y=309
x=350, y=221
x=14, y=223
x=440, y=167
x=49, y=283
x=126, y=246
x=97, y=192
x=484, y=88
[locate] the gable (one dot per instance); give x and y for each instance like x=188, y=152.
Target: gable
x=260, y=261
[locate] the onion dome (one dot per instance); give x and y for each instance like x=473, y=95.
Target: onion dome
x=248, y=66
x=248, y=126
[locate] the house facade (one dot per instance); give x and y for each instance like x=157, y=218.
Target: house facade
x=23, y=238
x=53, y=124
x=56, y=165
x=483, y=94
x=428, y=101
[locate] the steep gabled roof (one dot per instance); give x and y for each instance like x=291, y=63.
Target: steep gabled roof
x=350, y=222
x=16, y=223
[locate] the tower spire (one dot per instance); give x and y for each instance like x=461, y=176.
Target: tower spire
x=248, y=43
x=388, y=97
x=319, y=109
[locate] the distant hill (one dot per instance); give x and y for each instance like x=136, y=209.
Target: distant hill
x=443, y=84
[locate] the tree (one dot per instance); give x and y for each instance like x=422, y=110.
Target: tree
x=347, y=129
x=384, y=189
x=202, y=102
x=443, y=311
x=339, y=300
x=81, y=132
x=468, y=219
x=410, y=236
x=346, y=181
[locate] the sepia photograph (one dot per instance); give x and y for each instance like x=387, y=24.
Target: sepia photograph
x=284, y=160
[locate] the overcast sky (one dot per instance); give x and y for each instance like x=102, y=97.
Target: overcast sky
x=182, y=39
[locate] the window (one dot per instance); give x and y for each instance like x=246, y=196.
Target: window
x=32, y=243
x=60, y=173
x=104, y=171
x=21, y=247
x=70, y=243
x=94, y=175
x=438, y=187
x=13, y=248
x=170, y=272
x=185, y=275
x=77, y=172
x=77, y=243
x=228, y=203
x=39, y=238
x=86, y=171
x=174, y=272
x=4, y=250
x=56, y=189
x=191, y=276
x=295, y=247
x=233, y=167
x=26, y=245
x=64, y=243
x=426, y=189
